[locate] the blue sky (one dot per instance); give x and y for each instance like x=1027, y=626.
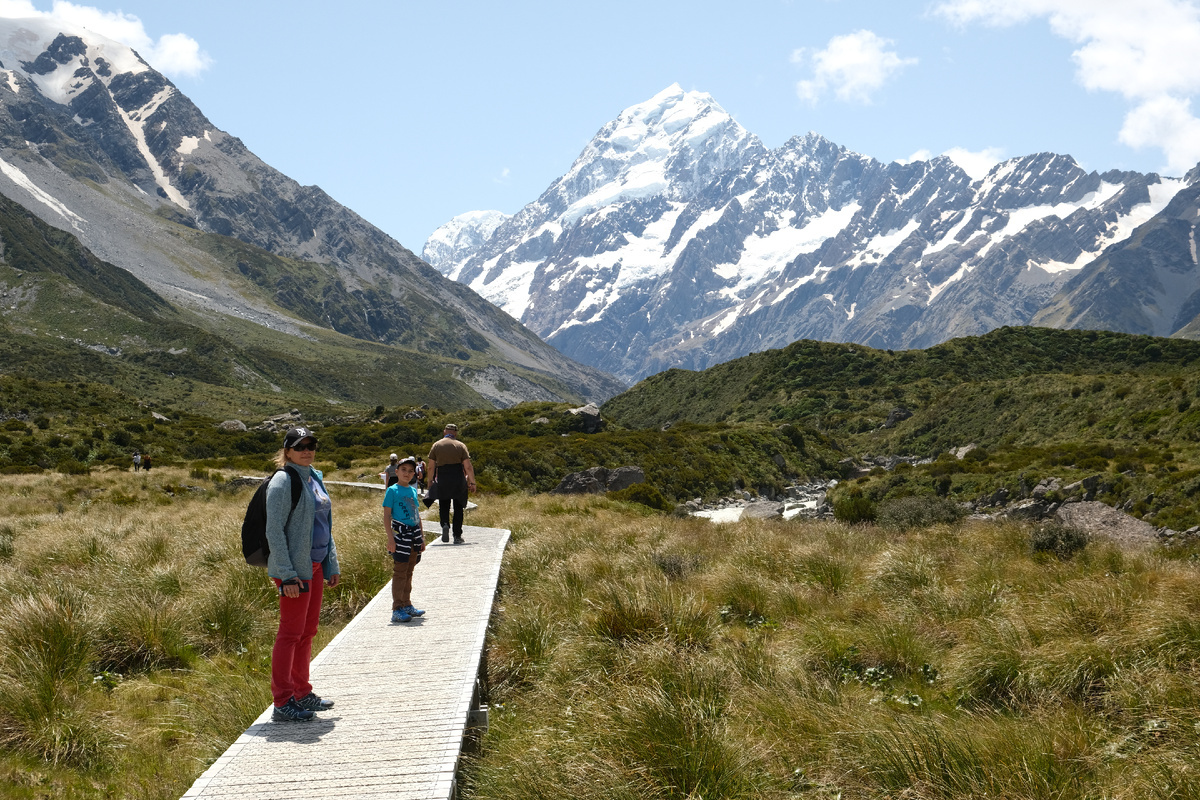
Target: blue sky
x=411, y=113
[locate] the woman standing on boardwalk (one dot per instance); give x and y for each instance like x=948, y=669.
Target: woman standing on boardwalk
x=302, y=559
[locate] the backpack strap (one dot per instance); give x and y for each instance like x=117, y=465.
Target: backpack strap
x=297, y=486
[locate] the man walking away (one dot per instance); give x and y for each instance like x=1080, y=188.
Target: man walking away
x=450, y=465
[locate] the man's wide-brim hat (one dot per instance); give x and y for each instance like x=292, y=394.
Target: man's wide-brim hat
x=296, y=435
x=450, y=426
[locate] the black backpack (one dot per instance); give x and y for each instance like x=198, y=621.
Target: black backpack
x=255, y=548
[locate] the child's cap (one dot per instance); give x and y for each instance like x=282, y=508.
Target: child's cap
x=407, y=460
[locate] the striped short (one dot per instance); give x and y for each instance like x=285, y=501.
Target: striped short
x=409, y=540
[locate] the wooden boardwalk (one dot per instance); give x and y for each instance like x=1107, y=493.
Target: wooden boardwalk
x=403, y=694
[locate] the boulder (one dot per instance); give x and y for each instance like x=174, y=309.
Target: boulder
x=1045, y=487
x=1029, y=509
x=1106, y=522
x=895, y=416
x=592, y=422
x=624, y=477
x=414, y=414
x=763, y=510
x=598, y=480
x=232, y=426
x=584, y=482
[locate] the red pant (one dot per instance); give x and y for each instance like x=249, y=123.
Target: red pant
x=298, y=618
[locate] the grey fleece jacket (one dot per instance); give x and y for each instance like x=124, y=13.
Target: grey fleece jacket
x=291, y=548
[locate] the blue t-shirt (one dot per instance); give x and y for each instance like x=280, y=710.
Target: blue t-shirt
x=402, y=500
x=322, y=522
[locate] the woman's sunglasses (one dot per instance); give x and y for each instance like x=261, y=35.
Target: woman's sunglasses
x=311, y=446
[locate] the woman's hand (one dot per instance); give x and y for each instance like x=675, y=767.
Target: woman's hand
x=334, y=580
x=291, y=590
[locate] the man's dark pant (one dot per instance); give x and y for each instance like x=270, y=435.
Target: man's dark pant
x=452, y=488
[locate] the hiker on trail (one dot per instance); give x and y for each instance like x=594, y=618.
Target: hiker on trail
x=146, y=462
x=137, y=461
x=302, y=559
x=389, y=472
x=450, y=466
x=405, y=538
x=421, y=474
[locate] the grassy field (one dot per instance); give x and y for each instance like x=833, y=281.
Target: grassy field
x=134, y=641
x=643, y=656
x=633, y=654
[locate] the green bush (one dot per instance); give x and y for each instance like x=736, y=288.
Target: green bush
x=1057, y=539
x=918, y=512
x=644, y=494
x=854, y=507
x=70, y=466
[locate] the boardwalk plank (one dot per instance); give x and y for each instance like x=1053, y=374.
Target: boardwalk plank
x=403, y=693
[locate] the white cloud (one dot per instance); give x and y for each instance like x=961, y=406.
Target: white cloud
x=852, y=66
x=173, y=54
x=1165, y=122
x=976, y=163
x=503, y=176
x=1143, y=50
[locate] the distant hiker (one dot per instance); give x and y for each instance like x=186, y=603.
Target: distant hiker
x=302, y=559
x=405, y=538
x=421, y=474
x=137, y=461
x=146, y=462
x=389, y=472
x=450, y=466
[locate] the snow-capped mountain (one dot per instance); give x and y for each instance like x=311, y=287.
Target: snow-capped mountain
x=95, y=141
x=678, y=239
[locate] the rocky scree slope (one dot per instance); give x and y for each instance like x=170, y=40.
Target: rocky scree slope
x=96, y=142
x=677, y=239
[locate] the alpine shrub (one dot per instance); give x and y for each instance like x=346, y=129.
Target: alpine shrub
x=1059, y=540
x=854, y=507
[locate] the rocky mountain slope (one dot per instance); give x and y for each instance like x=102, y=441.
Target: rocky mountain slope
x=678, y=239
x=96, y=142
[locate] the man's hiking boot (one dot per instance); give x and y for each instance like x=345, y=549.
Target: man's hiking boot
x=400, y=615
x=291, y=712
x=445, y=533
x=312, y=702
x=413, y=611
x=458, y=538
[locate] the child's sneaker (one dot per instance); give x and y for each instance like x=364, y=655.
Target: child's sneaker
x=413, y=611
x=291, y=712
x=400, y=615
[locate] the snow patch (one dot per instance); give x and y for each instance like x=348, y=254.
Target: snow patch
x=188, y=145
x=763, y=256
x=21, y=179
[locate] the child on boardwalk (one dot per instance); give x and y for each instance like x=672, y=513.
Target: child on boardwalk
x=405, y=538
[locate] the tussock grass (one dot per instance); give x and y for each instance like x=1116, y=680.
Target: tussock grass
x=134, y=641
x=654, y=657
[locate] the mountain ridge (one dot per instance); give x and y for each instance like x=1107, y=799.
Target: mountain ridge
x=808, y=240
x=94, y=141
